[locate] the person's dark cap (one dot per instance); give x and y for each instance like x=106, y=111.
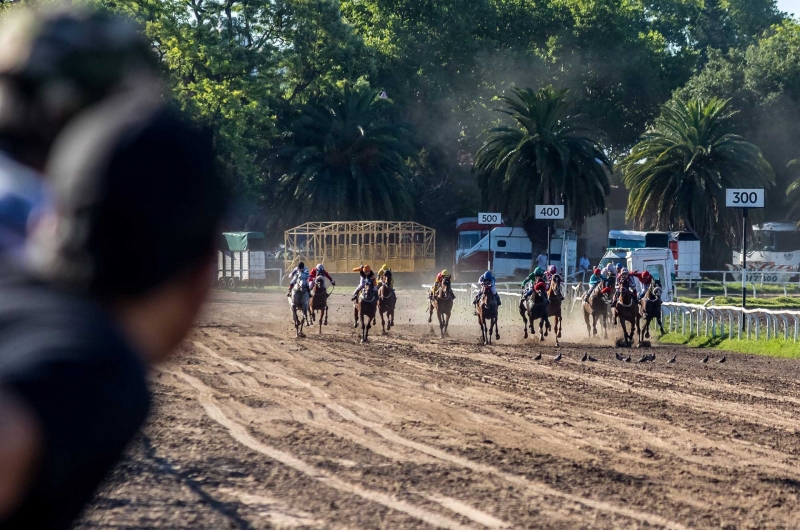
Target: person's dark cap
x=136, y=197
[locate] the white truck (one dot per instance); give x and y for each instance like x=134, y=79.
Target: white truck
x=657, y=261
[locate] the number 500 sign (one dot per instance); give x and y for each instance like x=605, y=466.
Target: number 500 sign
x=744, y=198
x=490, y=218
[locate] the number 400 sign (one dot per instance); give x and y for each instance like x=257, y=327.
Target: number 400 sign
x=549, y=211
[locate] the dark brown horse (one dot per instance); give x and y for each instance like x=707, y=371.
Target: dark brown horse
x=365, y=309
x=319, y=302
x=627, y=308
x=387, y=299
x=556, y=297
x=487, y=314
x=442, y=302
x=596, y=308
x=535, y=308
x=651, y=310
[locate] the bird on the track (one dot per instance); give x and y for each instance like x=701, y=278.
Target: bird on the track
x=585, y=357
x=652, y=357
x=592, y=359
x=643, y=359
x=618, y=356
x=557, y=358
x=672, y=361
x=705, y=359
x=628, y=359
x=538, y=357
x=722, y=360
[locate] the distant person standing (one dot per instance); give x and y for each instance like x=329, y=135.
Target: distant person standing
x=541, y=260
x=118, y=271
x=584, y=265
x=53, y=64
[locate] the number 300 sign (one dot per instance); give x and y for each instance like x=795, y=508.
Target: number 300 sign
x=744, y=198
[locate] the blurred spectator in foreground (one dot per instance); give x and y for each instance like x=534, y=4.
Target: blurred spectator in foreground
x=118, y=272
x=53, y=64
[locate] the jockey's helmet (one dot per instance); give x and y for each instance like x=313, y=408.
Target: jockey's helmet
x=623, y=272
x=367, y=269
x=620, y=266
x=552, y=269
x=646, y=277
x=445, y=272
x=597, y=272
x=538, y=272
x=301, y=265
x=320, y=267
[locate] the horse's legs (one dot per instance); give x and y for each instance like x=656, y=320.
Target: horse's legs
x=660, y=325
x=430, y=311
x=496, y=328
x=383, y=322
x=326, y=314
x=446, y=323
x=355, y=315
x=524, y=320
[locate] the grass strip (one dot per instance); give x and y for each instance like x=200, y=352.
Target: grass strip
x=773, y=348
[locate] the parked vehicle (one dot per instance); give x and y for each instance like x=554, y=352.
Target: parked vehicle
x=773, y=254
x=657, y=261
x=685, y=248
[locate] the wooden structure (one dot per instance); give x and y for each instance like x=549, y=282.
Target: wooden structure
x=342, y=246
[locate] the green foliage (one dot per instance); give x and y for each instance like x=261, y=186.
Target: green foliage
x=678, y=172
x=772, y=348
x=546, y=158
x=347, y=160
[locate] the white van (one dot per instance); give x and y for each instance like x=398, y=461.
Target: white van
x=657, y=261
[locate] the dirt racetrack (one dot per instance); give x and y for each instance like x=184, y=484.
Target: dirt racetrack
x=254, y=429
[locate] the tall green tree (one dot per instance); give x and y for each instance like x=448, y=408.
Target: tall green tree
x=347, y=160
x=677, y=174
x=546, y=158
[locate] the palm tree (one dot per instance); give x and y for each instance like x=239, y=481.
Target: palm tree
x=347, y=160
x=677, y=174
x=547, y=156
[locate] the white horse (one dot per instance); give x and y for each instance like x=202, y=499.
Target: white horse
x=299, y=302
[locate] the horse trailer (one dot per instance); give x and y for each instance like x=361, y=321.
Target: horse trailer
x=685, y=247
x=242, y=260
x=659, y=262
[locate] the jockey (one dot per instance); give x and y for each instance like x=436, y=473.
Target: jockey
x=624, y=281
x=610, y=277
x=596, y=279
x=298, y=273
x=445, y=274
x=319, y=270
x=532, y=277
x=537, y=276
x=486, y=276
x=367, y=278
x=551, y=273
x=646, y=279
x=382, y=272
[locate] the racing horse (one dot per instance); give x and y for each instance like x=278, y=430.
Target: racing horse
x=533, y=308
x=298, y=301
x=556, y=297
x=442, y=302
x=387, y=299
x=596, y=308
x=651, y=309
x=487, y=314
x=627, y=308
x=365, y=309
x=319, y=302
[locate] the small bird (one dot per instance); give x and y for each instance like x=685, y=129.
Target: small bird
x=592, y=359
x=672, y=361
x=705, y=359
x=628, y=359
x=585, y=357
x=643, y=359
x=652, y=357
x=618, y=356
x=557, y=358
x=538, y=357
x=722, y=360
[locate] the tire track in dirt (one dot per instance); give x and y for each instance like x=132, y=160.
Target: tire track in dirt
x=239, y=433
x=537, y=490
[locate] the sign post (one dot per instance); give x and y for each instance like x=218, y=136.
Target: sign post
x=549, y=212
x=490, y=219
x=744, y=198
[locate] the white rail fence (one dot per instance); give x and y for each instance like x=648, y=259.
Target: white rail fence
x=729, y=321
